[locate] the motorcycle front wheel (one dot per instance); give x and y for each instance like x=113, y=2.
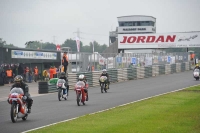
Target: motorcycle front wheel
x=102, y=87
x=13, y=112
x=78, y=99
x=59, y=94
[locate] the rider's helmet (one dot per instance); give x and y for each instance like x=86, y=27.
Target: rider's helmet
x=197, y=65
x=18, y=80
x=81, y=77
x=104, y=71
x=62, y=74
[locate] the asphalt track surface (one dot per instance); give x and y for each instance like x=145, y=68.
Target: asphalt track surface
x=47, y=109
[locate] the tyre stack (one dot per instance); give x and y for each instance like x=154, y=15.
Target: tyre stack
x=42, y=87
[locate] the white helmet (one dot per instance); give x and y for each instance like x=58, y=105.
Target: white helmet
x=104, y=71
x=81, y=77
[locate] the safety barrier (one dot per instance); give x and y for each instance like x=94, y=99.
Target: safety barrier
x=118, y=75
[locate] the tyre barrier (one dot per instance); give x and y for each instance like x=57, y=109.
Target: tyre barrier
x=42, y=87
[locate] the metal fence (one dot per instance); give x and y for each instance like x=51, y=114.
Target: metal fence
x=83, y=62
x=124, y=74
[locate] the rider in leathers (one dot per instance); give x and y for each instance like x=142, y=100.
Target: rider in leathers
x=63, y=76
x=18, y=82
x=83, y=78
x=105, y=74
x=197, y=67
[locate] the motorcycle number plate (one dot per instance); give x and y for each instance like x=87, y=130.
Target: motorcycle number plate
x=14, y=99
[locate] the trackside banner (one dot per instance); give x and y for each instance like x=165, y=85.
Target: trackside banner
x=166, y=40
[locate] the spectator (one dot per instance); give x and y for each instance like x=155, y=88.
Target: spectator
x=54, y=72
x=89, y=67
x=20, y=70
x=36, y=74
x=104, y=67
x=30, y=75
x=9, y=75
x=51, y=71
x=27, y=74
x=65, y=61
x=3, y=77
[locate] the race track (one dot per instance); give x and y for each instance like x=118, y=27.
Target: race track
x=47, y=109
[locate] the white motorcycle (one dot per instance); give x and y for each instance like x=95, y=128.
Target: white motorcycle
x=196, y=74
x=61, y=86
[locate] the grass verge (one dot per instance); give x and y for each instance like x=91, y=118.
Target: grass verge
x=177, y=112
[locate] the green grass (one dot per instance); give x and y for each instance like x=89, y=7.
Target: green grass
x=177, y=112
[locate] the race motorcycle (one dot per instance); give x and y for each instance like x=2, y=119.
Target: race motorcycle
x=103, y=80
x=61, y=86
x=80, y=93
x=18, y=103
x=196, y=74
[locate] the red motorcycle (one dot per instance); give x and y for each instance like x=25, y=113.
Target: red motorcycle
x=80, y=93
x=18, y=104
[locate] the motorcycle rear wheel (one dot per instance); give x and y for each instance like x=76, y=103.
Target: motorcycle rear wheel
x=105, y=89
x=13, y=112
x=25, y=117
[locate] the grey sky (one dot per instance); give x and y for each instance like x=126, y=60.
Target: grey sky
x=29, y=20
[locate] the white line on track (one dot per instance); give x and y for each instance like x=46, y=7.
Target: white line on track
x=107, y=109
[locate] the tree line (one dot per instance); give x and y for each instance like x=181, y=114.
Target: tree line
x=51, y=46
x=87, y=48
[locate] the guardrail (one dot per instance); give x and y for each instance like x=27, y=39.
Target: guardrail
x=118, y=75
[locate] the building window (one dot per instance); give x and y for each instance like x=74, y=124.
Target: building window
x=130, y=23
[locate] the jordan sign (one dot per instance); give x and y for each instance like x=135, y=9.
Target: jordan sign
x=170, y=40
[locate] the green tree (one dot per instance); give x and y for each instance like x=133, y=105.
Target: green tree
x=2, y=42
x=72, y=44
x=49, y=46
x=10, y=46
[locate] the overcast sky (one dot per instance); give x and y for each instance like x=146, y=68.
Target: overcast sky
x=29, y=20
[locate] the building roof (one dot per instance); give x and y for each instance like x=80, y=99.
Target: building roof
x=136, y=16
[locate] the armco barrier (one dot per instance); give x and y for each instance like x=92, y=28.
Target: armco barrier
x=117, y=75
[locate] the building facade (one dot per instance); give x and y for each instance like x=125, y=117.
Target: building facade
x=134, y=24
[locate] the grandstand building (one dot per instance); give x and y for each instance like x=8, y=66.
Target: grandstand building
x=134, y=24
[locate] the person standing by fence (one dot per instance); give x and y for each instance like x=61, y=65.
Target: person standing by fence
x=36, y=74
x=3, y=76
x=30, y=75
x=27, y=74
x=20, y=70
x=9, y=75
x=54, y=72
x=51, y=71
x=65, y=61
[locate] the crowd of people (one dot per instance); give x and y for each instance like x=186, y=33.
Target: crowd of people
x=8, y=72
